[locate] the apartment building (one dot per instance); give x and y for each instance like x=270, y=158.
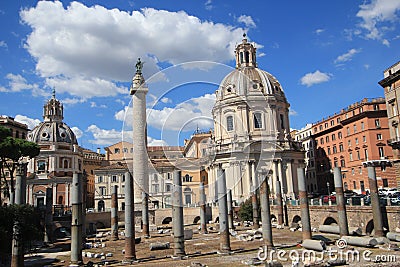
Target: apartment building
x=346, y=139
x=391, y=85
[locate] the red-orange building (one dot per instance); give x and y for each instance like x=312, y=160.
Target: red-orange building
x=346, y=139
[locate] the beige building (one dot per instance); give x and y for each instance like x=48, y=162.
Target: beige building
x=391, y=86
x=18, y=130
x=251, y=130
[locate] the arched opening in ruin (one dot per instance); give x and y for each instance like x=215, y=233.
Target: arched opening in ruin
x=329, y=221
x=167, y=220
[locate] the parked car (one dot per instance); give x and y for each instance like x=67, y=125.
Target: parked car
x=90, y=210
x=392, y=191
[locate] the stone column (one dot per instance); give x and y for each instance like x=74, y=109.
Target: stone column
x=279, y=202
x=114, y=213
x=19, y=190
x=254, y=202
x=177, y=216
x=203, y=221
x=66, y=195
x=48, y=233
x=230, y=210
x=17, y=253
x=304, y=208
x=340, y=201
x=140, y=160
x=76, y=223
x=265, y=212
x=130, y=253
x=54, y=194
x=376, y=208
x=225, y=246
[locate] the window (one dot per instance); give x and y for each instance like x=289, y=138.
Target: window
x=229, y=123
x=366, y=154
x=320, y=127
x=333, y=137
x=41, y=166
x=358, y=155
x=322, y=141
x=332, y=122
x=187, y=178
x=341, y=147
x=359, y=170
x=354, y=185
x=353, y=171
x=342, y=163
x=362, y=186
x=155, y=177
x=377, y=123
x=257, y=120
x=349, y=143
x=329, y=150
x=356, y=141
x=125, y=150
x=360, y=110
x=168, y=188
x=116, y=150
x=155, y=188
x=327, y=139
x=334, y=149
x=114, y=179
x=362, y=126
x=335, y=163
x=100, y=179
x=381, y=152
x=123, y=178
x=348, y=130
x=326, y=125
x=102, y=190
x=376, y=107
x=338, y=120
x=345, y=186
x=379, y=136
x=355, y=128
x=351, y=156
x=364, y=139
x=339, y=135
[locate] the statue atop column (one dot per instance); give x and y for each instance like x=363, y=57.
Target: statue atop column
x=139, y=66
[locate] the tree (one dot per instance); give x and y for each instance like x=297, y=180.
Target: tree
x=12, y=150
x=245, y=212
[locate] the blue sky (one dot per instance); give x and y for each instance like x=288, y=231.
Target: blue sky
x=326, y=55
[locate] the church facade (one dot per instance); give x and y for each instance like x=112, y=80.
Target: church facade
x=60, y=157
x=251, y=137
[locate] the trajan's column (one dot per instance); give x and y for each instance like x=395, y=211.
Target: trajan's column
x=140, y=168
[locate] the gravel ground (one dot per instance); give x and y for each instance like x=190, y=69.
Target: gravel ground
x=203, y=249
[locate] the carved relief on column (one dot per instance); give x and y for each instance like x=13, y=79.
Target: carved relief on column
x=66, y=194
x=30, y=194
x=289, y=178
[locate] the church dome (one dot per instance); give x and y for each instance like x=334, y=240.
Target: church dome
x=52, y=129
x=52, y=132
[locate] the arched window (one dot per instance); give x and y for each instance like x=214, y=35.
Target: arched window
x=257, y=120
x=241, y=57
x=229, y=123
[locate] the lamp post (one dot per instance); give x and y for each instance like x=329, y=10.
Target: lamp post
x=329, y=192
x=329, y=195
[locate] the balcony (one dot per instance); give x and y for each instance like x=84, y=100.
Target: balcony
x=394, y=142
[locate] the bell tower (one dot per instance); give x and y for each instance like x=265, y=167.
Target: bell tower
x=245, y=54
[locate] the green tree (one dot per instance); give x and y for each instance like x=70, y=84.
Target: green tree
x=29, y=222
x=245, y=212
x=11, y=151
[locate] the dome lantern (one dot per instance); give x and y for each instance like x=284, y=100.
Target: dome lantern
x=245, y=54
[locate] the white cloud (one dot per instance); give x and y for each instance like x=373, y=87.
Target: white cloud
x=17, y=83
x=156, y=142
x=85, y=51
x=104, y=137
x=247, y=20
x=72, y=101
x=78, y=132
x=166, y=100
x=292, y=112
x=375, y=15
x=386, y=42
x=186, y=115
x=3, y=44
x=319, y=31
x=348, y=56
x=32, y=123
x=314, y=78
x=94, y=105
x=122, y=102
x=208, y=5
